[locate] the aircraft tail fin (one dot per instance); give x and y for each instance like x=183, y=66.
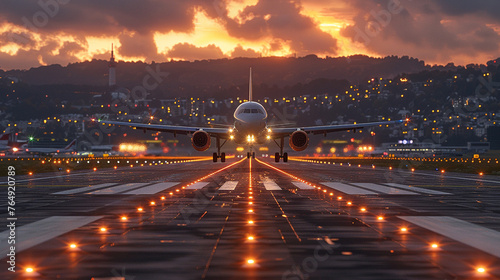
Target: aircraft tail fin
x=250, y=86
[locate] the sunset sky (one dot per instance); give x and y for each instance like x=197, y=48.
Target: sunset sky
x=65, y=31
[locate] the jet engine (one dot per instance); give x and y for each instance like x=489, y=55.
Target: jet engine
x=299, y=140
x=200, y=140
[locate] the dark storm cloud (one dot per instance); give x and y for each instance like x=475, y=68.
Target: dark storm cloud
x=490, y=8
x=192, y=52
x=421, y=29
x=283, y=20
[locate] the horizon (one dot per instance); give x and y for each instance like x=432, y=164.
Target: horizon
x=34, y=33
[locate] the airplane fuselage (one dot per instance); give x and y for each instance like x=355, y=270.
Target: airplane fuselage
x=250, y=123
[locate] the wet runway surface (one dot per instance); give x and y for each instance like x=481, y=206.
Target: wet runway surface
x=254, y=219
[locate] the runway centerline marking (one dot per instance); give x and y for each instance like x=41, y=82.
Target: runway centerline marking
x=417, y=189
x=197, y=186
x=84, y=189
x=479, y=237
x=229, y=186
x=348, y=189
x=118, y=189
x=302, y=186
x=269, y=184
x=153, y=189
x=38, y=232
x=383, y=189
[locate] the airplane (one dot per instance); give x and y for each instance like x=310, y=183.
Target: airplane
x=250, y=127
x=9, y=142
x=71, y=147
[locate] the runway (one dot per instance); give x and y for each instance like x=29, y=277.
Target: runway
x=255, y=219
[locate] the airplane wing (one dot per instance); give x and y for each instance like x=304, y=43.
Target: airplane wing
x=286, y=131
x=222, y=133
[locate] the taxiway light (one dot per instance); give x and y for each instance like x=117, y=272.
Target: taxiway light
x=31, y=173
x=363, y=209
x=250, y=222
x=339, y=198
x=162, y=198
x=115, y=167
x=103, y=229
x=442, y=171
x=380, y=218
x=481, y=270
x=139, y=209
x=124, y=218
x=349, y=203
x=434, y=245
x=152, y=203
x=72, y=246
x=171, y=193
x=413, y=170
x=177, y=190
x=324, y=191
x=95, y=169
x=29, y=270
x=251, y=197
x=250, y=261
x=250, y=238
x=250, y=210
x=390, y=167
x=250, y=203
x=250, y=192
x=480, y=173
x=67, y=170
x=331, y=194
x=404, y=229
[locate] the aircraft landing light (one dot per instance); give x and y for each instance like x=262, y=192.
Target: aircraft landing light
x=29, y=270
x=481, y=269
x=250, y=261
x=250, y=222
x=250, y=238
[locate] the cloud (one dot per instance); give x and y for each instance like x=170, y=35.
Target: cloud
x=281, y=19
x=421, y=29
x=239, y=51
x=191, y=52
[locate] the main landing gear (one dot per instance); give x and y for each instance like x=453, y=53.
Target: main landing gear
x=220, y=155
x=280, y=155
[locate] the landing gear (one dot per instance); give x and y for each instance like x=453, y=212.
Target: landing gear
x=220, y=155
x=248, y=154
x=253, y=154
x=282, y=155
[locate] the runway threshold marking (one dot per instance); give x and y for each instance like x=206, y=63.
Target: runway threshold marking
x=118, y=189
x=40, y=231
x=153, y=189
x=302, y=186
x=417, y=189
x=197, y=186
x=229, y=186
x=269, y=184
x=348, y=189
x=84, y=189
x=383, y=189
x=484, y=239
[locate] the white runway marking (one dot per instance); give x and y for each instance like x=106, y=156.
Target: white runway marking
x=302, y=186
x=270, y=185
x=118, y=189
x=228, y=186
x=156, y=188
x=479, y=237
x=383, y=189
x=197, y=186
x=40, y=231
x=417, y=189
x=84, y=189
x=347, y=188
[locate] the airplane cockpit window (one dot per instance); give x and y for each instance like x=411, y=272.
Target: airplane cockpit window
x=247, y=111
x=254, y=111
x=260, y=111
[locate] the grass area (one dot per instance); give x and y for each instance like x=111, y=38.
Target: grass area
x=483, y=166
x=32, y=166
